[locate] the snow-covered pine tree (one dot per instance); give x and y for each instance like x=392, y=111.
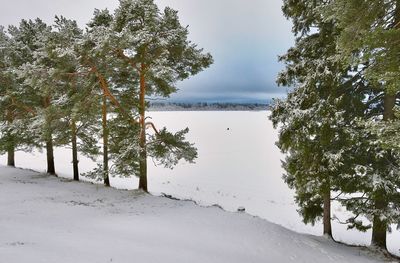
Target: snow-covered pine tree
x=78, y=101
x=371, y=42
x=7, y=110
x=26, y=40
x=7, y=107
x=315, y=118
x=96, y=53
x=15, y=102
x=35, y=70
x=156, y=47
x=111, y=76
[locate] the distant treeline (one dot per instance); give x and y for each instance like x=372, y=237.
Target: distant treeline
x=205, y=106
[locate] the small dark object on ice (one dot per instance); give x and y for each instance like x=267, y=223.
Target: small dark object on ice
x=227, y=129
x=241, y=209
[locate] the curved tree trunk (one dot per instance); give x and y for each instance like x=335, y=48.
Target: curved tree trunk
x=50, y=156
x=105, y=143
x=327, y=215
x=75, y=162
x=142, y=143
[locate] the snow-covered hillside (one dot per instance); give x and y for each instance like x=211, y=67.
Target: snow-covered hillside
x=236, y=167
x=47, y=219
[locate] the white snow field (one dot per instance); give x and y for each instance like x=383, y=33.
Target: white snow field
x=236, y=167
x=48, y=219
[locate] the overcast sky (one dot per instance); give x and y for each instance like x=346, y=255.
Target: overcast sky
x=244, y=36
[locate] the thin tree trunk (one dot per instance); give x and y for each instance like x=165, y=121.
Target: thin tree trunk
x=327, y=215
x=142, y=143
x=75, y=162
x=50, y=156
x=105, y=143
x=11, y=148
x=11, y=156
x=51, y=169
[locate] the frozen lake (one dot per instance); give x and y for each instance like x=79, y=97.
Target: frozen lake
x=236, y=167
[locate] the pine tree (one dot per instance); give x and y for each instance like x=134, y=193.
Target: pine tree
x=79, y=102
x=111, y=77
x=7, y=117
x=25, y=40
x=315, y=120
x=31, y=39
x=14, y=100
x=156, y=47
x=101, y=23
x=370, y=42
x=8, y=108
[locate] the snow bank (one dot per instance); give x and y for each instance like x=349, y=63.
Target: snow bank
x=48, y=219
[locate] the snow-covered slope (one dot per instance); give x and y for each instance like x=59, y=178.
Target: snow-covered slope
x=236, y=167
x=47, y=219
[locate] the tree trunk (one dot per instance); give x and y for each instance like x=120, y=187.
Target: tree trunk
x=11, y=156
x=11, y=148
x=142, y=143
x=327, y=215
x=105, y=143
x=379, y=227
x=388, y=105
x=75, y=162
x=50, y=156
x=51, y=169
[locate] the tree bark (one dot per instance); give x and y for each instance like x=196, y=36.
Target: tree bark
x=50, y=156
x=379, y=227
x=49, y=140
x=11, y=148
x=75, y=162
x=142, y=135
x=11, y=156
x=327, y=215
x=388, y=105
x=105, y=143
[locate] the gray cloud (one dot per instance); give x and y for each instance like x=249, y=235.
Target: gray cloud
x=245, y=37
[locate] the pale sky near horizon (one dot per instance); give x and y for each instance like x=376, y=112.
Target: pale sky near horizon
x=245, y=38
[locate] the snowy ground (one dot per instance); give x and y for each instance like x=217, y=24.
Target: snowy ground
x=47, y=219
x=236, y=167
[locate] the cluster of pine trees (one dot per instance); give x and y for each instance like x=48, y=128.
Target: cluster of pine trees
x=64, y=86
x=340, y=124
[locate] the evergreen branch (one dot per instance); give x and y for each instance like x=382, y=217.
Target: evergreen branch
x=22, y=106
x=152, y=126
x=120, y=53
x=336, y=197
x=115, y=102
